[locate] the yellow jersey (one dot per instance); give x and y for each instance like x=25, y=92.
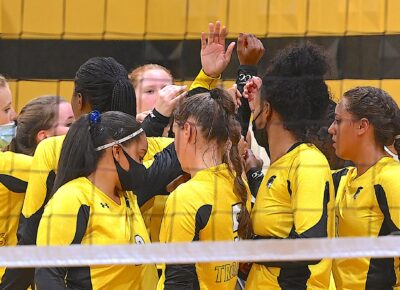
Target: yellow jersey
x=205, y=208
x=295, y=200
x=14, y=173
x=368, y=206
x=80, y=213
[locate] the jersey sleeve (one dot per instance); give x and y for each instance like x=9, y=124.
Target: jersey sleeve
x=204, y=81
x=311, y=190
x=64, y=219
x=64, y=222
x=182, y=222
x=386, y=192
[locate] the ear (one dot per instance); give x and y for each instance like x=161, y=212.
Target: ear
x=41, y=135
x=116, y=152
x=83, y=106
x=267, y=110
x=189, y=133
x=363, y=126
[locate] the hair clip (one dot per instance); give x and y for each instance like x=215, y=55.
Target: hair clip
x=396, y=137
x=94, y=117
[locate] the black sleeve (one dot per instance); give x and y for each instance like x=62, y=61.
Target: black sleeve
x=245, y=72
x=154, y=124
x=181, y=277
x=254, y=179
x=152, y=181
x=51, y=278
x=197, y=90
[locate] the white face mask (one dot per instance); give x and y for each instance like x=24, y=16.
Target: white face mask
x=7, y=133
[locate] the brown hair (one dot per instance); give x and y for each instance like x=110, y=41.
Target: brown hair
x=380, y=109
x=39, y=114
x=214, y=112
x=136, y=74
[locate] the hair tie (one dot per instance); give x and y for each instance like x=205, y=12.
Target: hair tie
x=215, y=94
x=396, y=137
x=94, y=117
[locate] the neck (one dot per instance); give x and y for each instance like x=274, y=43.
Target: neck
x=368, y=155
x=208, y=157
x=280, y=140
x=101, y=179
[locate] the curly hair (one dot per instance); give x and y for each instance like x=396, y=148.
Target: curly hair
x=295, y=88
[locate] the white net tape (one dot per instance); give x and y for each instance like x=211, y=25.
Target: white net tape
x=244, y=251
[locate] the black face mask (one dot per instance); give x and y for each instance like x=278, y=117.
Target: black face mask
x=130, y=180
x=260, y=135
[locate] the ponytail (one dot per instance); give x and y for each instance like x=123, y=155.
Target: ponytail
x=78, y=157
x=240, y=188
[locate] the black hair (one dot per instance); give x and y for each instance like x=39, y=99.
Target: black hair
x=214, y=112
x=380, y=109
x=104, y=84
x=78, y=155
x=295, y=88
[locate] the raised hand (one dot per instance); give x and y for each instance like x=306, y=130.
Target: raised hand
x=249, y=49
x=214, y=58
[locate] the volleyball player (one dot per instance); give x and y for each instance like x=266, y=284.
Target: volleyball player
x=295, y=198
x=14, y=173
x=115, y=93
x=92, y=207
x=213, y=204
x=367, y=198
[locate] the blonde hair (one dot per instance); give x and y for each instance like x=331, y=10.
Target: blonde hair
x=136, y=74
x=3, y=81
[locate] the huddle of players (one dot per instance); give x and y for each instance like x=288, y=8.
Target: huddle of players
x=90, y=186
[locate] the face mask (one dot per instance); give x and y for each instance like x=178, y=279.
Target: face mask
x=260, y=134
x=7, y=133
x=130, y=179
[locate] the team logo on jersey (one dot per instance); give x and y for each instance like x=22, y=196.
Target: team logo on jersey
x=104, y=205
x=357, y=192
x=270, y=181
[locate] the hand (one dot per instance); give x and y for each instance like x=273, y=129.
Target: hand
x=249, y=49
x=141, y=116
x=214, y=58
x=168, y=99
x=251, y=161
x=236, y=95
x=251, y=90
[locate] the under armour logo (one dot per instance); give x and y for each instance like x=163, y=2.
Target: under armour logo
x=357, y=192
x=270, y=181
x=104, y=205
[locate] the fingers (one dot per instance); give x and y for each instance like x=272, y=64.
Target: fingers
x=217, y=31
x=210, y=32
x=203, y=40
x=229, y=51
x=241, y=43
